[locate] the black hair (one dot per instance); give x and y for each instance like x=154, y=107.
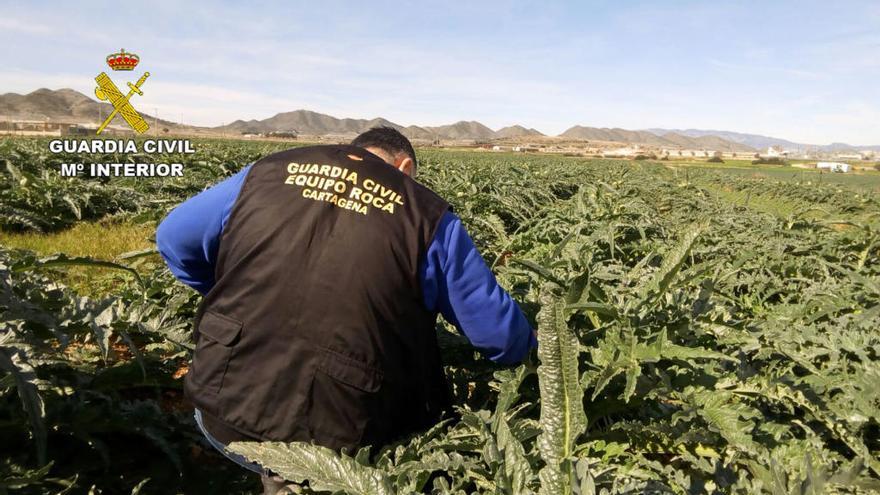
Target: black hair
x=387, y=139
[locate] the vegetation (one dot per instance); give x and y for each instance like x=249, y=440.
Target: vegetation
x=689, y=341
x=773, y=160
x=33, y=195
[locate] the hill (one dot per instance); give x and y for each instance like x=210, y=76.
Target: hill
x=46, y=103
x=317, y=124
x=517, y=131
x=305, y=122
x=761, y=142
x=670, y=139
x=62, y=105
x=463, y=130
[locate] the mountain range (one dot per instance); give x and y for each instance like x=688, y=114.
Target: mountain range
x=72, y=106
x=318, y=124
x=64, y=105
x=758, y=141
x=665, y=140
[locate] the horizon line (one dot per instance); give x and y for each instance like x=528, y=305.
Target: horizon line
x=667, y=130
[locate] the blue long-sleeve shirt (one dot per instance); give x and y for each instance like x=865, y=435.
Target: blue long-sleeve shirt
x=455, y=280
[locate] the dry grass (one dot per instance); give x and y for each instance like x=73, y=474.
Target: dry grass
x=104, y=240
x=101, y=240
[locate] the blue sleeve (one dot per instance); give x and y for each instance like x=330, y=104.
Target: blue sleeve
x=457, y=283
x=188, y=238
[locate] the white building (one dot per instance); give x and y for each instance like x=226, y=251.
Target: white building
x=624, y=152
x=834, y=166
x=776, y=152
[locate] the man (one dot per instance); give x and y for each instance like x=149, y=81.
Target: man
x=323, y=270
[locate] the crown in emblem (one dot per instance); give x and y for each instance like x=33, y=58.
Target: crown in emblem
x=122, y=60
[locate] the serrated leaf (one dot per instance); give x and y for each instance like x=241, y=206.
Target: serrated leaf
x=323, y=468
x=673, y=260
x=562, y=411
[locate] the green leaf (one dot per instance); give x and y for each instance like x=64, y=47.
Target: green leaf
x=509, y=390
x=537, y=269
x=577, y=289
x=130, y=255
x=562, y=408
x=64, y=260
x=724, y=414
x=673, y=260
x=602, y=309
x=668, y=350
x=14, y=361
x=517, y=470
x=323, y=468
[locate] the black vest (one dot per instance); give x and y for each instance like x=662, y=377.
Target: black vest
x=316, y=329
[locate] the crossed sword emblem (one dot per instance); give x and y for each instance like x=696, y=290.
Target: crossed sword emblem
x=107, y=90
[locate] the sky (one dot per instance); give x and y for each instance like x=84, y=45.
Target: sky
x=808, y=71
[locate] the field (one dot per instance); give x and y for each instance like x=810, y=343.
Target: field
x=701, y=330
x=865, y=180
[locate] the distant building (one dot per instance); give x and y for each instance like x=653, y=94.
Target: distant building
x=33, y=128
x=848, y=156
x=775, y=152
x=47, y=128
x=289, y=134
x=625, y=152
x=82, y=130
x=834, y=166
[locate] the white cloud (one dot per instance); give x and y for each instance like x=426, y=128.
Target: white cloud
x=770, y=70
x=21, y=26
x=21, y=81
x=639, y=66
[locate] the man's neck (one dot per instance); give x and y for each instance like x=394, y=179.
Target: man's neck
x=381, y=154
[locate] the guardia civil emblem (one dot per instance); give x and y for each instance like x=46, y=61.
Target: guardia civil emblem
x=107, y=91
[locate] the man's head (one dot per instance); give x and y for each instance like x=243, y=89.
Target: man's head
x=390, y=145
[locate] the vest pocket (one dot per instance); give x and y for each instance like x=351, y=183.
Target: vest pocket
x=217, y=336
x=343, y=399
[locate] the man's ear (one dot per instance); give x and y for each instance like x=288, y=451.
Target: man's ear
x=405, y=164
